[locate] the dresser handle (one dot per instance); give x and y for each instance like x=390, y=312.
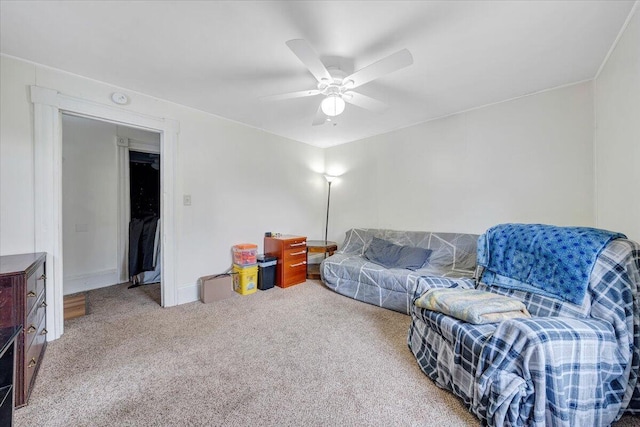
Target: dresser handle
x=43, y=277
x=299, y=253
x=298, y=264
x=44, y=304
x=44, y=331
x=32, y=363
x=31, y=329
x=31, y=294
x=298, y=244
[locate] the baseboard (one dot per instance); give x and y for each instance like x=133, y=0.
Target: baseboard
x=188, y=293
x=87, y=282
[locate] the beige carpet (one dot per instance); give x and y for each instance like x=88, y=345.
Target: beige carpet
x=297, y=356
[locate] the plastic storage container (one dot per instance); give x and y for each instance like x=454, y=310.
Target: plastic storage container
x=245, y=254
x=266, y=271
x=245, y=279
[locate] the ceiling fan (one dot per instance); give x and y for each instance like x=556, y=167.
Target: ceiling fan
x=336, y=86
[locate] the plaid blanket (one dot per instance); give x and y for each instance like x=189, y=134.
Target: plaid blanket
x=569, y=365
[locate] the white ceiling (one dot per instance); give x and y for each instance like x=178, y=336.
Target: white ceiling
x=220, y=57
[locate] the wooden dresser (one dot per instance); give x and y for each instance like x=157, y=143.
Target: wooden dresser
x=291, y=252
x=22, y=302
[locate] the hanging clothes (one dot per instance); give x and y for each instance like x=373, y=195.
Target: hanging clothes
x=142, y=244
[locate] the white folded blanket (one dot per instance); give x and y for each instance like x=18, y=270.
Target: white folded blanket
x=472, y=305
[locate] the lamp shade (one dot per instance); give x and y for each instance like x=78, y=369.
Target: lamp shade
x=330, y=178
x=332, y=105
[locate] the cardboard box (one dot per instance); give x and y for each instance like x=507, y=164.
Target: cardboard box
x=216, y=288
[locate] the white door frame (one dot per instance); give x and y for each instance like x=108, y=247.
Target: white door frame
x=124, y=197
x=48, y=106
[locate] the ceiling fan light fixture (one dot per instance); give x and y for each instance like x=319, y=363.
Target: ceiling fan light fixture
x=332, y=105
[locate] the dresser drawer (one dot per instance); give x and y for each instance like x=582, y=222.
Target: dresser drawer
x=35, y=286
x=300, y=243
x=33, y=354
x=294, y=255
x=294, y=271
x=34, y=320
x=295, y=276
x=291, y=266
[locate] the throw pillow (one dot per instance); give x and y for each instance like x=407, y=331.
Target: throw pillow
x=390, y=255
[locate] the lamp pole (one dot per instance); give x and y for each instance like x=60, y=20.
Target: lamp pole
x=326, y=228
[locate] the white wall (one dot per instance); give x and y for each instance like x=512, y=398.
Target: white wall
x=617, y=101
x=243, y=181
x=16, y=158
x=89, y=204
x=526, y=160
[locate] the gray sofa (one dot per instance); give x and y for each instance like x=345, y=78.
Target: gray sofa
x=350, y=273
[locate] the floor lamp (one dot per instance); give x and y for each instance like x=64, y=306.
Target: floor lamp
x=329, y=179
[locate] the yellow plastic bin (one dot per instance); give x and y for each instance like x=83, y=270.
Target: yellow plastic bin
x=245, y=279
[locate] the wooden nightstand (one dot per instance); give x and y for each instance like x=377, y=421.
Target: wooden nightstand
x=291, y=252
x=318, y=247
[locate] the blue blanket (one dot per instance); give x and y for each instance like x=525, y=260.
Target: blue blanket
x=544, y=259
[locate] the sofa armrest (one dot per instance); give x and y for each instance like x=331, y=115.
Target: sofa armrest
x=553, y=371
x=425, y=283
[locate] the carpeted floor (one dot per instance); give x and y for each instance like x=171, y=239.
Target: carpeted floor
x=287, y=357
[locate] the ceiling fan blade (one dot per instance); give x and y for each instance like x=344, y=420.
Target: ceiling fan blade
x=290, y=95
x=320, y=118
x=309, y=58
x=364, y=101
x=391, y=63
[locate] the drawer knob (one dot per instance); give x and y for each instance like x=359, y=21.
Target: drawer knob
x=43, y=277
x=32, y=363
x=31, y=294
x=298, y=264
x=31, y=329
x=299, y=253
x=299, y=244
x=44, y=331
x=44, y=304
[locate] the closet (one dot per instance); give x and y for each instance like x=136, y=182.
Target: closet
x=145, y=224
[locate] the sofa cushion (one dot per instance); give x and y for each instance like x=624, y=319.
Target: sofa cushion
x=391, y=255
x=451, y=251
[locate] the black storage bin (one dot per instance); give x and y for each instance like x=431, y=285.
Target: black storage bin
x=266, y=271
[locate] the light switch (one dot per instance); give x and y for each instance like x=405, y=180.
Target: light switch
x=186, y=199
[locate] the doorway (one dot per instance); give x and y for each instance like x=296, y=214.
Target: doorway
x=95, y=220
x=49, y=104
